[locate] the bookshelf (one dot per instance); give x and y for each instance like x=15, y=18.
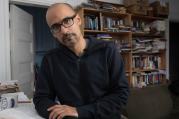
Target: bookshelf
x=109, y=26
x=148, y=51
x=141, y=46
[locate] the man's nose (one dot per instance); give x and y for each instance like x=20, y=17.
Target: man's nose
x=63, y=29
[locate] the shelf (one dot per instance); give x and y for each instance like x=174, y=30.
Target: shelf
x=149, y=53
x=97, y=31
x=93, y=31
x=108, y=2
x=145, y=70
x=104, y=25
x=125, y=51
x=110, y=13
x=146, y=17
x=90, y=11
x=114, y=14
x=151, y=87
x=141, y=34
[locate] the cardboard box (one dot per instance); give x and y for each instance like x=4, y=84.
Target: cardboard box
x=138, y=9
x=160, y=9
x=150, y=11
x=136, y=2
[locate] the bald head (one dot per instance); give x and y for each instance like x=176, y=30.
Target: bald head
x=61, y=4
x=57, y=11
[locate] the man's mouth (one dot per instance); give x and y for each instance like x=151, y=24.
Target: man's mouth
x=68, y=37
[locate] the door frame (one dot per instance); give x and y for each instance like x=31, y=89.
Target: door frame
x=5, y=53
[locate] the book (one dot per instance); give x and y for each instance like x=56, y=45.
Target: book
x=144, y=79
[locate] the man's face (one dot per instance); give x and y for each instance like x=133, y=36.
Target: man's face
x=65, y=25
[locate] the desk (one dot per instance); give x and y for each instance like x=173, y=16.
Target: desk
x=22, y=111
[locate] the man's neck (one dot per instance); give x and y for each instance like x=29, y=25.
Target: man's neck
x=79, y=47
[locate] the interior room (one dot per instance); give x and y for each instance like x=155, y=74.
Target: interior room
x=144, y=33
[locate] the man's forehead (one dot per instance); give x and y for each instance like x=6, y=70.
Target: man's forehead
x=59, y=12
x=62, y=11
x=61, y=8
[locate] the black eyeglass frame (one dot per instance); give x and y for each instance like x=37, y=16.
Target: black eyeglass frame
x=56, y=27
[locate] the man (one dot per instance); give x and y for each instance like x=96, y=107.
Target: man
x=86, y=76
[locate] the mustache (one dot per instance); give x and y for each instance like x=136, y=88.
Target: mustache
x=68, y=35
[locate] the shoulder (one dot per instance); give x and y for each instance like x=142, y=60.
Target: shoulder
x=102, y=43
x=110, y=44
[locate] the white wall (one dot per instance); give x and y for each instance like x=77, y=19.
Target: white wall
x=174, y=11
x=4, y=41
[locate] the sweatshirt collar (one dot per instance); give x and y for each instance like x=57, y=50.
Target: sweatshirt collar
x=92, y=44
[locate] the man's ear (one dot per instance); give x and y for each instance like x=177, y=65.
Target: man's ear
x=78, y=19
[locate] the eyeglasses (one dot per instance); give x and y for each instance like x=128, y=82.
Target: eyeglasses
x=66, y=22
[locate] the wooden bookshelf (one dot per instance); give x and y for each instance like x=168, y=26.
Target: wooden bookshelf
x=148, y=51
x=104, y=19
x=98, y=31
x=148, y=18
x=96, y=22
x=142, y=34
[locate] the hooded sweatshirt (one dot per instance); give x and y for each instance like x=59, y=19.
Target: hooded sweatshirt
x=94, y=82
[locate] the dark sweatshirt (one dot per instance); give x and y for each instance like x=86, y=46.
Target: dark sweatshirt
x=94, y=83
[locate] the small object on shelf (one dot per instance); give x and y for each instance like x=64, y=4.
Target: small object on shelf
x=157, y=27
x=137, y=9
x=144, y=79
x=150, y=62
x=160, y=8
x=123, y=45
x=104, y=37
x=128, y=3
x=150, y=11
x=108, y=6
x=111, y=29
x=116, y=2
x=90, y=5
x=91, y=22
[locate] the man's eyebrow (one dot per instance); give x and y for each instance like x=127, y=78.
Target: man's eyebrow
x=68, y=17
x=60, y=22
